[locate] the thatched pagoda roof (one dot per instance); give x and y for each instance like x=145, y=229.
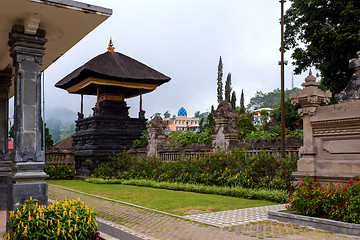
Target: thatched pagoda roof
x=114, y=73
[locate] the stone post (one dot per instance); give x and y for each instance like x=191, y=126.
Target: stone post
x=310, y=98
x=156, y=136
x=226, y=131
x=27, y=176
x=5, y=83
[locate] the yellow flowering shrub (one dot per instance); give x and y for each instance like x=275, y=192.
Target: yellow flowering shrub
x=68, y=219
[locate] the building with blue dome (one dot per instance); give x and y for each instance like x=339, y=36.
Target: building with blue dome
x=182, y=112
x=182, y=122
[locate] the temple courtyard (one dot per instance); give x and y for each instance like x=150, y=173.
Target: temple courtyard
x=118, y=220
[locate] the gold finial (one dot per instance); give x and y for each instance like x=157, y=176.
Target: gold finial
x=111, y=48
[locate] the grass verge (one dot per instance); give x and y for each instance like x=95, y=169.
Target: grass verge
x=176, y=202
x=278, y=196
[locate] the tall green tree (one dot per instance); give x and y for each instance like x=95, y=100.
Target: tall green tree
x=220, y=82
x=197, y=114
x=292, y=118
x=48, y=140
x=245, y=124
x=207, y=123
x=270, y=99
x=233, y=100
x=228, y=88
x=324, y=34
x=55, y=125
x=242, y=104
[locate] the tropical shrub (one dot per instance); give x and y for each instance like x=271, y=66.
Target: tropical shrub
x=245, y=125
x=68, y=219
x=187, y=137
x=63, y=172
x=221, y=168
x=143, y=140
x=338, y=202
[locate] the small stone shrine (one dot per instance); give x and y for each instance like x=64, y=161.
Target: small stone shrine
x=157, y=136
x=330, y=151
x=226, y=131
x=112, y=77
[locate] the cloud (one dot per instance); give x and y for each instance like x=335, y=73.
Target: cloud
x=182, y=39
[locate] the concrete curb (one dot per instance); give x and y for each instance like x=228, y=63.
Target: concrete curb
x=318, y=223
x=122, y=228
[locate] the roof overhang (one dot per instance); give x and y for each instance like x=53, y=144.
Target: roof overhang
x=66, y=22
x=128, y=89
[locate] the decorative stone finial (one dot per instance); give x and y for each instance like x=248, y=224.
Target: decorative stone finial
x=310, y=97
x=111, y=48
x=310, y=80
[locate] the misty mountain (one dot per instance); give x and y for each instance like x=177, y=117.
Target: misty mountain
x=65, y=115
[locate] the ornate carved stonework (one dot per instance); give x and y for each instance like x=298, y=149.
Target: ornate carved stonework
x=157, y=135
x=310, y=96
x=331, y=149
x=352, y=90
x=110, y=130
x=226, y=131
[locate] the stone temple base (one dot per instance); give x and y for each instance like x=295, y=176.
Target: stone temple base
x=110, y=130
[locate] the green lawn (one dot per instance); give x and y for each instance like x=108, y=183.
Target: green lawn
x=176, y=202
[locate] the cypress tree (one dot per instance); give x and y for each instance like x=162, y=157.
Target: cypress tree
x=242, y=106
x=233, y=100
x=228, y=88
x=219, y=82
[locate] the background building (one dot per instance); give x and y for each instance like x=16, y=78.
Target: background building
x=182, y=123
x=257, y=118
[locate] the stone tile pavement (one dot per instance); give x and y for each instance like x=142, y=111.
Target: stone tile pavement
x=236, y=217
x=148, y=224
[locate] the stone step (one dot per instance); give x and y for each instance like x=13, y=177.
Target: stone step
x=5, y=169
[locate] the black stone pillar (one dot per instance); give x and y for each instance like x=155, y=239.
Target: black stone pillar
x=5, y=83
x=27, y=176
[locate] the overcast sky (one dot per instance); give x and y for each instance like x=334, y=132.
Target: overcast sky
x=183, y=39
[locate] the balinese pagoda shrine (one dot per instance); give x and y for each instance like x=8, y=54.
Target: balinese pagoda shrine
x=112, y=77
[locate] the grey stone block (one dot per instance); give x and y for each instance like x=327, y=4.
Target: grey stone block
x=19, y=192
x=3, y=191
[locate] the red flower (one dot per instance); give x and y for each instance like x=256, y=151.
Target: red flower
x=150, y=161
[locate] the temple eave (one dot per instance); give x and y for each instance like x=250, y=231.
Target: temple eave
x=86, y=86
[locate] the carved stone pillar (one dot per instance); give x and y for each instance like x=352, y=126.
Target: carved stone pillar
x=226, y=131
x=5, y=82
x=27, y=176
x=310, y=98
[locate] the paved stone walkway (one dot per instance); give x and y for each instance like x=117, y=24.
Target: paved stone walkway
x=236, y=217
x=147, y=224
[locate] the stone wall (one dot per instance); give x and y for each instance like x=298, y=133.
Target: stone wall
x=331, y=149
x=225, y=137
